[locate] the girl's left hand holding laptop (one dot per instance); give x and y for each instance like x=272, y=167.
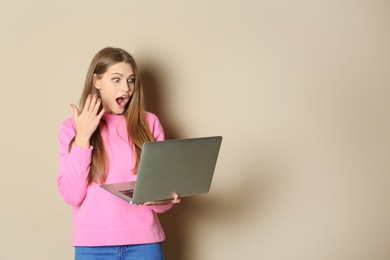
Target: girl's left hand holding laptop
x=175, y=200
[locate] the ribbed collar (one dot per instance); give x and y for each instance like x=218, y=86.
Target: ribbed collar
x=112, y=118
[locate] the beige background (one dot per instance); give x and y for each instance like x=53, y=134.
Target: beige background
x=298, y=89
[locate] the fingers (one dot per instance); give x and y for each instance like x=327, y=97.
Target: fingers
x=87, y=102
x=176, y=199
x=88, y=119
x=92, y=103
x=96, y=106
x=154, y=203
x=92, y=106
x=75, y=110
x=100, y=115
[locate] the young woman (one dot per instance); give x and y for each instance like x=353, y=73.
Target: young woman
x=102, y=143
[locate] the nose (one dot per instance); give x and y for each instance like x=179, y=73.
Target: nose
x=125, y=87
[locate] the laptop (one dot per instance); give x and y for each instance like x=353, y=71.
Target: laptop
x=181, y=166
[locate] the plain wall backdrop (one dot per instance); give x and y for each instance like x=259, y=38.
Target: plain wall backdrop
x=300, y=91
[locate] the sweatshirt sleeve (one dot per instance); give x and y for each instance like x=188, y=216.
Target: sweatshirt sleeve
x=155, y=127
x=72, y=178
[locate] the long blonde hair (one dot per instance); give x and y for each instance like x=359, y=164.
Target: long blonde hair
x=137, y=126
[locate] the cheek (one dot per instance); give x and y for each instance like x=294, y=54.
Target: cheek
x=132, y=89
x=104, y=99
x=107, y=88
x=106, y=95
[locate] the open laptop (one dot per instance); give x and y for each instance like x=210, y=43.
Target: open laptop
x=181, y=166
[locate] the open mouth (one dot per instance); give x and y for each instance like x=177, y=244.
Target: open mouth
x=121, y=101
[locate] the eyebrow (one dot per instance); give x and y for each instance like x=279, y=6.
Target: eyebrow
x=120, y=74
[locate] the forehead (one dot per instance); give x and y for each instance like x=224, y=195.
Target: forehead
x=122, y=68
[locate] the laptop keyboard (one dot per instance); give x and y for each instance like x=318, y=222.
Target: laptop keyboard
x=128, y=193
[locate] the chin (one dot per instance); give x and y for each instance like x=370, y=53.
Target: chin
x=119, y=112
x=116, y=111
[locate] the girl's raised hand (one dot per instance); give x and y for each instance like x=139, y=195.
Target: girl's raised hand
x=87, y=121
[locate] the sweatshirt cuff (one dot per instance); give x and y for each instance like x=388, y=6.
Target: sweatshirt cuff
x=81, y=154
x=162, y=208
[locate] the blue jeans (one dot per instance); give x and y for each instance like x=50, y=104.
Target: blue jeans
x=140, y=252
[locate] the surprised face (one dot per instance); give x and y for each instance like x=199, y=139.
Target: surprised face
x=116, y=87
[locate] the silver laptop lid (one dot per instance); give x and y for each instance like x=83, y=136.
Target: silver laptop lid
x=182, y=166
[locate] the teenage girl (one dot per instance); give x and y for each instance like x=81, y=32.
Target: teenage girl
x=102, y=143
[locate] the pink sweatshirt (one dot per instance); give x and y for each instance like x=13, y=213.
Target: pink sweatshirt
x=100, y=218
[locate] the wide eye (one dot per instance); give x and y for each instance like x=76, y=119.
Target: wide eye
x=116, y=80
x=131, y=80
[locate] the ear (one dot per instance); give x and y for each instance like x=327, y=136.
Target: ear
x=96, y=81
